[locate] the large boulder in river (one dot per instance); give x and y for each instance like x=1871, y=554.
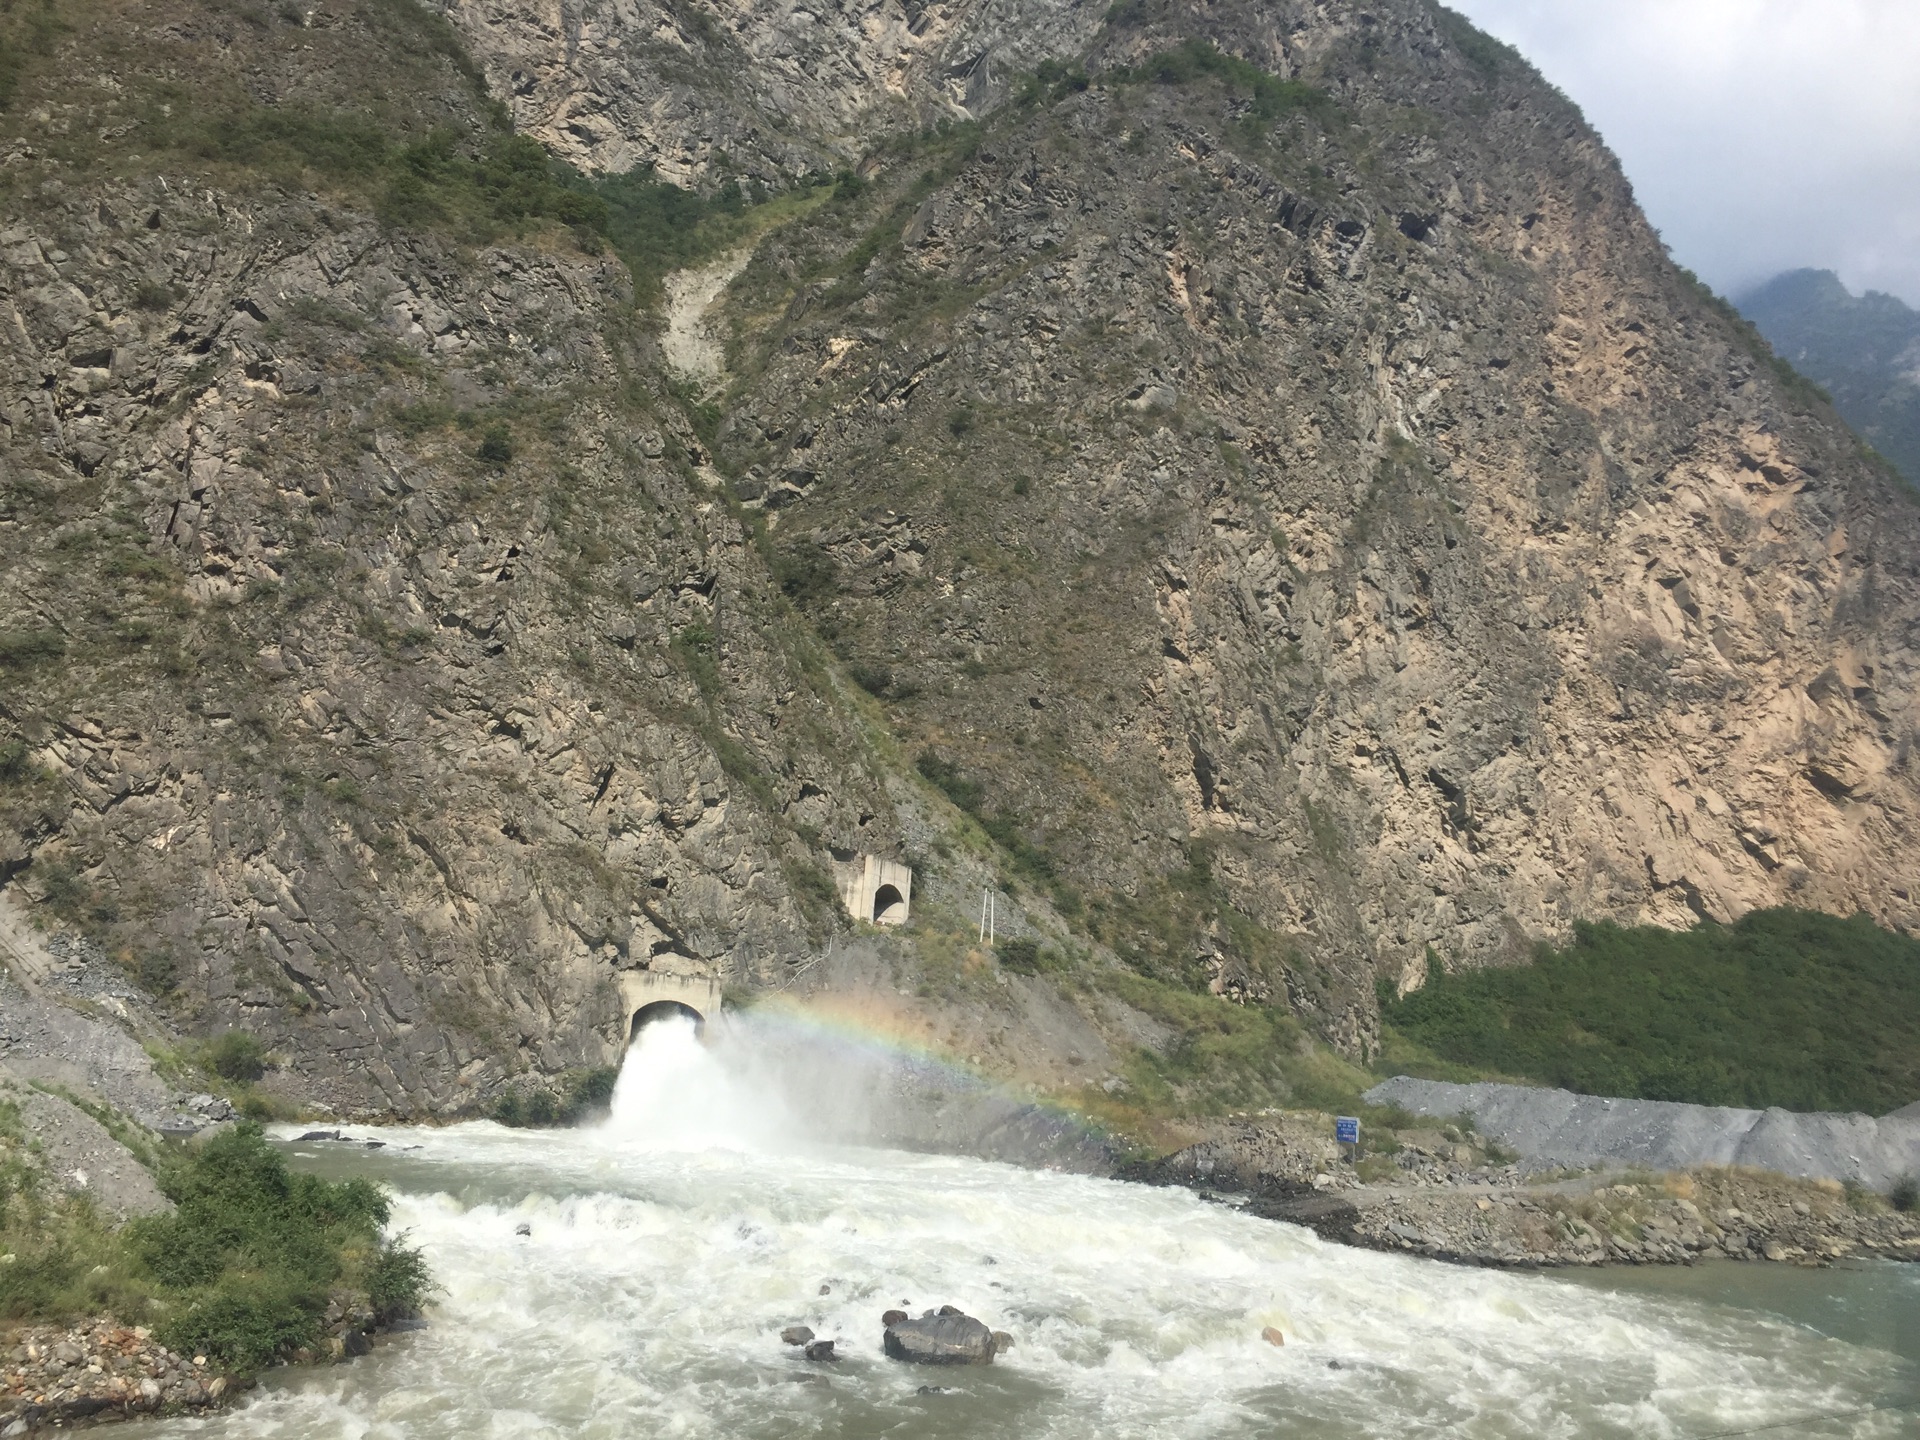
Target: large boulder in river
x=948, y=1338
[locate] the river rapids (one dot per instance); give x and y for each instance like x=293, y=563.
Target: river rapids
x=668, y=1248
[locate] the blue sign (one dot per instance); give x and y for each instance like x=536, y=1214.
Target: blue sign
x=1346, y=1130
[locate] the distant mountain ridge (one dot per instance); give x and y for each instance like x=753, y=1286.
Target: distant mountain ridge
x=1863, y=349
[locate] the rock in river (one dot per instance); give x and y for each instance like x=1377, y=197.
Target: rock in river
x=943, y=1339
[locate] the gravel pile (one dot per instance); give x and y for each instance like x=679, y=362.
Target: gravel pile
x=1557, y=1127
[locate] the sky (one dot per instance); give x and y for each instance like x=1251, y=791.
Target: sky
x=1760, y=135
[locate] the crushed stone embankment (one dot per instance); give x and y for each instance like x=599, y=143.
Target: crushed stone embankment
x=1558, y=1128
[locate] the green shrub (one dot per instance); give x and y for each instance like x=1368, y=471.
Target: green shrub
x=156, y=972
x=656, y=227
x=398, y=1281
x=951, y=781
x=1224, y=1057
x=812, y=887
x=695, y=646
x=240, y=1271
x=1905, y=1194
x=1027, y=957
x=23, y=649
x=249, y=1253
x=1785, y=1007
x=806, y=574
x=236, y=1055
x=1270, y=98
x=26, y=29
x=1022, y=957
x=496, y=445
x=583, y=1095
x=247, y=1321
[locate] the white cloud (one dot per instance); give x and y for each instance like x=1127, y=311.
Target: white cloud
x=1759, y=135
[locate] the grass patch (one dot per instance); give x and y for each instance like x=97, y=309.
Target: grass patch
x=25, y=649
x=1028, y=957
x=1268, y=97
x=406, y=161
x=1479, y=49
x=696, y=649
x=1227, y=1057
x=1785, y=1007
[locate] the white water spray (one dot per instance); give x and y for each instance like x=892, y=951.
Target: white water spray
x=674, y=1093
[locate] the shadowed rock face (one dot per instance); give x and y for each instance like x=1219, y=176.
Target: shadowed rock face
x=1327, y=510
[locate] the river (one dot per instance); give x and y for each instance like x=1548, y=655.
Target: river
x=667, y=1249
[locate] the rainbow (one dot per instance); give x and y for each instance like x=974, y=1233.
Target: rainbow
x=869, y=1028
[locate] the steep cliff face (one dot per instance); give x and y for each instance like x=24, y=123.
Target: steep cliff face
x=1344, y=485
x=1289, y=499
x=765, y=91
x=369, y=618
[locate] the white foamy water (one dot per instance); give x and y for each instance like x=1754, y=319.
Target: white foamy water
x=669, y=1247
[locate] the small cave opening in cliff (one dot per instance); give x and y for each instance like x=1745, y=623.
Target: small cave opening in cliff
x=663, y=1010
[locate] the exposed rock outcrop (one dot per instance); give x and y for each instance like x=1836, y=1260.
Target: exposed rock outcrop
x=758, y=90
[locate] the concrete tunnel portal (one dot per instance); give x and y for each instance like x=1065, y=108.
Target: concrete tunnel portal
x=650, y=995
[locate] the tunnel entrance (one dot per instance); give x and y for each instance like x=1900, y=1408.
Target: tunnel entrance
x=874, y=890
x=889, y=906
x=664, y=1010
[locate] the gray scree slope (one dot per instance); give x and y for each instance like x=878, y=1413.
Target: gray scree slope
x=1557, y=1127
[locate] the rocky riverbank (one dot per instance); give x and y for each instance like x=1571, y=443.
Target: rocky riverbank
x=1676, y=1218
x=53, y=1376
x=1453, y=1195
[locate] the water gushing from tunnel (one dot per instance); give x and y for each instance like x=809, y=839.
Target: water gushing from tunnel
x=676, y=1093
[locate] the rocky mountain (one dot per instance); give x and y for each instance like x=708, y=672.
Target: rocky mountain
x=1864, y=350
x=1243, y=481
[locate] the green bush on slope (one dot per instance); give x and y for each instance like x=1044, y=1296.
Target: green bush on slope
x=1784, y=1007
x=240, y=1270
